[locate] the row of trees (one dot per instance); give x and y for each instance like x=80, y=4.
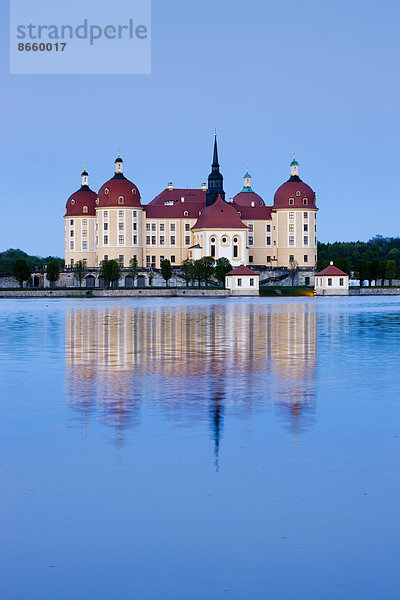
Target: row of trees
x=23, y=272
x=377, y=248
x=377, y=271
x=9, y=257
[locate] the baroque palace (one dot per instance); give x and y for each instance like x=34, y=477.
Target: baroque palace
x=184, y=224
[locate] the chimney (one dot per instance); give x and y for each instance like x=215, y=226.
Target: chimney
x=204, y=187
x=182, y=199
x=170, y=186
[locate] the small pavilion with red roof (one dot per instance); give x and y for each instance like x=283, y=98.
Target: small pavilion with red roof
x=242, y=281
x=331, y=282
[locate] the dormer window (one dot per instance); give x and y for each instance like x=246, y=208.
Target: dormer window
x=106, y=191
x=72, y=201
x=121, y=200
x=291, y=201
x=97, y=201
x=85, y=209
x=253, y=204
x=185, y=214
x=305, y=201
x=133, y=190
x=298, y=193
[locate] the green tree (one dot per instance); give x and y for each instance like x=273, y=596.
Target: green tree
x=21, y=271
x=207, y=268
x=53, y=271
x=374, y=270
x=151, y=277
x=198, y=271
x=390, y=270
x=222, y=267
x=343, y=264
x=166, y=270
x=133, y=268
x=361, y=270
x=187, y=270
x=381, y=273
x=110, y=271
x=79, y=271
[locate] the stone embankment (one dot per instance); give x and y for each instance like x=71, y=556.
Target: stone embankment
x=375, y=291
x=117, y=293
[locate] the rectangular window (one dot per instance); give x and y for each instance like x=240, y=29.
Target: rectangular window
x=268, y=228
x=84, y=232
x=135, y=227
x=305, y=227
x=306, y=240
x=153, y=240
x=84, y=221
x=71, y=222
x=187, y=240
x=306, y=258
x=71, y=245
x=172, y=227
x=105, y=226
x=291, y=227
x=153, y=261
x=291, y=240
x=161, y=259
x=172, y=240
x=106, y=239
x=291, y=215
x=147, y=226
x=148, y=240
x=120, y=239
x=162, y=240
x=250, y=226
x=250, y=241
x=135, y=239
x=250, y=259
x=306, y=215
x=121, y=214
x=147, y=261
x=72, y=262
x=85, y=262
x=135, y=213
x=251, y=282
x=329, y=282
x=268, y=241
x=84, y=245
x=268, y=259
x=341, y=281
x=307, y=280
x=291, y=257
x=162, y=227
x=106, y=257
x=172, y=258
x=106, y=213
x=187, y=226
x=153, y=227
x=71, y=233
x=121, y=260
x=239, y=282
x=121, y=226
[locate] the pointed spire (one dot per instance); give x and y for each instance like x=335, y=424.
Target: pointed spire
x=215, y=179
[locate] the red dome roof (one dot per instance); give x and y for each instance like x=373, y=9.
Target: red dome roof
x=84, y=197
x=298, y=190
x=247, y=199
x=119, y=187
x=219, y=215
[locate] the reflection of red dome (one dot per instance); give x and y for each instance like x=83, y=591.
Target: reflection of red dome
x=84, y=197
x=119, y=187
x=247, y=199
x=298, y=190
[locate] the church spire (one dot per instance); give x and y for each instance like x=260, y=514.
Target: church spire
x=215, y=179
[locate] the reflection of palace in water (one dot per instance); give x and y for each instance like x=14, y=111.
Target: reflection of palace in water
x=192, y=361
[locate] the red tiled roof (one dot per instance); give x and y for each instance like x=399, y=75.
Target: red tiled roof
x=242, y=270
x=289, y=190
x=175, y=196
x=169, y=205
x=219, y=215
x=258, y=213
x=116, y=187
x=246, y=198
x=332, y=271
x=81, y=198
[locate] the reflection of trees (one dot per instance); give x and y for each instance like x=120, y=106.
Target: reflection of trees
x=190, y=360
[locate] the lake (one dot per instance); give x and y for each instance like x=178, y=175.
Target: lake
x=199, y=448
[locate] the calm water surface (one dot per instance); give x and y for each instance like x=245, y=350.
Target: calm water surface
x=192, y=449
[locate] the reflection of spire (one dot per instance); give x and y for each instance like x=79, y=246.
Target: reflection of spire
x=216, y=412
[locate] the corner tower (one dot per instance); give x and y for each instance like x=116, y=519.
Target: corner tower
x=215, y=179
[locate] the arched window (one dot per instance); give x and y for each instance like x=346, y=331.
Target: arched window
x=121, y=200
x=106, y=191
x=72, y=201
x=85, y=209
x=185, y=214
x=235, y=248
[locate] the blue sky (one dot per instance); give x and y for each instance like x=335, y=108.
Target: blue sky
x=272, y=77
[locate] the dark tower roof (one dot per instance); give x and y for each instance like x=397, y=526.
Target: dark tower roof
x=215, y=179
